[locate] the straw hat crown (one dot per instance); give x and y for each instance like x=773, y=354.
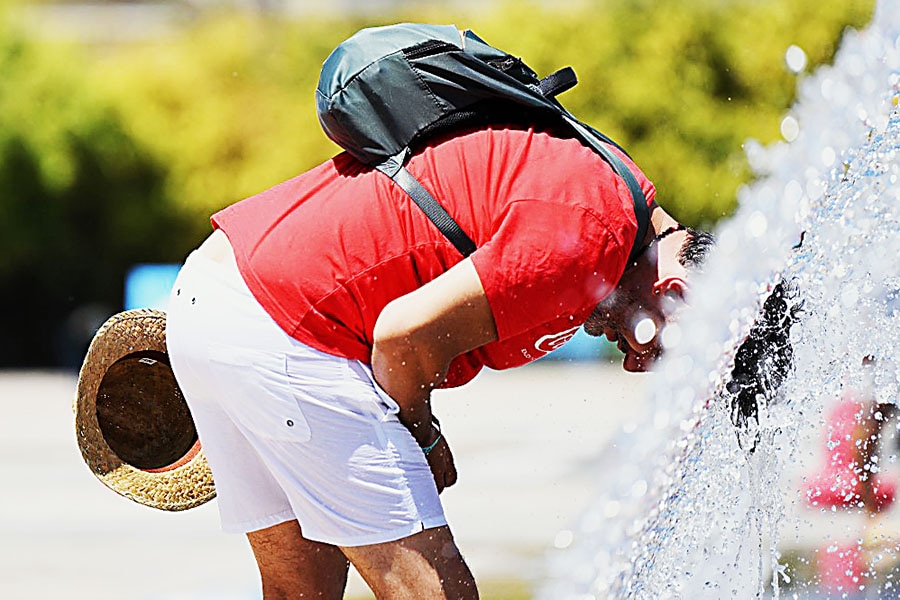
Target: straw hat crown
x=134, y=429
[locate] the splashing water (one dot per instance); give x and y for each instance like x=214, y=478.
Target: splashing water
x=684, y=510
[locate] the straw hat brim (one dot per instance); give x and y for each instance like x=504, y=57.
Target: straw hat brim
x=134, y=429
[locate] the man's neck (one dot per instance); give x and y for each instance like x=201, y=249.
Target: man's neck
x=660, y=220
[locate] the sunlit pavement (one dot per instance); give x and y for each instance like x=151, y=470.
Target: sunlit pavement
x=524, y=441
x=527, y=444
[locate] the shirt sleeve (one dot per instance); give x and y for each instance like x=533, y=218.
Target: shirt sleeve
x=547, y=261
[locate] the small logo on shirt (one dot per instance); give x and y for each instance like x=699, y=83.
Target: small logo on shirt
x=551, y=342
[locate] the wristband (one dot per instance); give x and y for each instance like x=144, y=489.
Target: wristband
x=430, y=447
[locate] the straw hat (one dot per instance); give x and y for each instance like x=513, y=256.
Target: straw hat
x=133, y=426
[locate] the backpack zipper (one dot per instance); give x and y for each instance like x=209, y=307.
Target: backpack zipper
x=429, y=48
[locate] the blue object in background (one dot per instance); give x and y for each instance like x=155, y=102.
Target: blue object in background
x=148, y=285
x=583, y=347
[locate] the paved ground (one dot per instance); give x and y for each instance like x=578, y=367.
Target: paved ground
x=523, y=440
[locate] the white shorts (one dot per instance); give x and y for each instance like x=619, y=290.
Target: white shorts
x=291, y=432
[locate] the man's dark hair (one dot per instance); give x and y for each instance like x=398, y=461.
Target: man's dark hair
x=763, y=361
x=764, y=358
x=697, y=246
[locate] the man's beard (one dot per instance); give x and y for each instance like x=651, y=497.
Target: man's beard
x=608, y=314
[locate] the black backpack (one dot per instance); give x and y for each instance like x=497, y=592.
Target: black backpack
x=386, y=89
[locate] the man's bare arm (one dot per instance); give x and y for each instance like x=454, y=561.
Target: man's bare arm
x=415, y=339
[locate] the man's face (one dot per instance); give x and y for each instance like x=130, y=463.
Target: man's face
x=649, y=294
x=633, y=317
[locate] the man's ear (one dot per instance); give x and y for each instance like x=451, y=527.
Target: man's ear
x=671, y=287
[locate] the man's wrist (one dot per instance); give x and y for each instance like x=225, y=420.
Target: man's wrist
x=427, y=449
x=434, y=438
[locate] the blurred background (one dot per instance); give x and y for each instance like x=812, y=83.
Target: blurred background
x=124, y=125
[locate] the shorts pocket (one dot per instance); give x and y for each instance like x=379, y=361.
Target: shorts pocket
x=363, y=374
x=257, y=393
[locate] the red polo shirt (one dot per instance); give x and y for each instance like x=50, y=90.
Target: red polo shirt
x=324, y=252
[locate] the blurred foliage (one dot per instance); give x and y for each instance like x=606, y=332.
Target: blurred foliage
x=81, y=202
x=682, y=84
x=114, y=154
x=228, y=105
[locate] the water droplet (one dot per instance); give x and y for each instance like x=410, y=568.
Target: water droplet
x=757, y=224
x=661, y=420
x=563, y=539
x=849, y=295
x=671, y=336
x=790, y=128
x=644, y=331
x=639, y=488
x=795, y=58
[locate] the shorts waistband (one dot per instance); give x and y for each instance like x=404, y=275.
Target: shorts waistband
x=216, y=248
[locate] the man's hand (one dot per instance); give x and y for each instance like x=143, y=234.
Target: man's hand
x=415, y=339
x=440, y=459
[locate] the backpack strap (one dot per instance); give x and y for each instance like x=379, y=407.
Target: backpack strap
x=556, y=83
x=641, y=211
x=565, y=79
x=464, y=244
x=434, y=211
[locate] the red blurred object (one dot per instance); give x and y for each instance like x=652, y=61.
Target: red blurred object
x=841, y=567
x=843, y=481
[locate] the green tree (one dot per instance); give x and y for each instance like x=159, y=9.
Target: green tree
x=117, y=154
x=227, y=104
x=81, y=202
x=682, y=84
